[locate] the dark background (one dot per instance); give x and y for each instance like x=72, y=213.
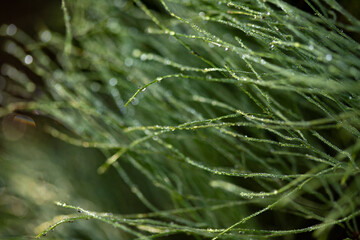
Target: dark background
x=32, y=15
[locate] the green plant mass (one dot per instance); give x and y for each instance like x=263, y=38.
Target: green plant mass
x=208, y=119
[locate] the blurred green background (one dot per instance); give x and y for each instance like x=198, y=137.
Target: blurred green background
x=36, y=169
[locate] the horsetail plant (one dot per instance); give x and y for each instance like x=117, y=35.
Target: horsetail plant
x=239, y=114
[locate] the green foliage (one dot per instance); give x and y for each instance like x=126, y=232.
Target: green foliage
x=225, y=118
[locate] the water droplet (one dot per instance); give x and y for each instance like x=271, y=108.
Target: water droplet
x=10, y=47
x=245, y=56
x=119, y=4
x=136, y=53
x=113, y=81
x=28, y=59
x=114, y=92
x=328, y=57
x=134, y=101
x=143, y=57
x=45, y=36
x=226, y=49
x=311, y=47
x=262, y=61
x=268, y=13
x=143, y=90
x=11, y=30
x=128, y=62
x=202, y=14
x=113, y=25
x=172, y=33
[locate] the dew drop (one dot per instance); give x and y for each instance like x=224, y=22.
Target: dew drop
x=129, y=62
x=328, y=57
x=11, y=30
x=10, y=47
x=113, y=81
x=134, y=101
x=28, y=59
x=143, y=57
x=45, y=36
x=114, y=92
x=311, y=47
x=245, y=56
x=143, y=90
x=226, y=49
x=136, y=53
x=119, y=4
